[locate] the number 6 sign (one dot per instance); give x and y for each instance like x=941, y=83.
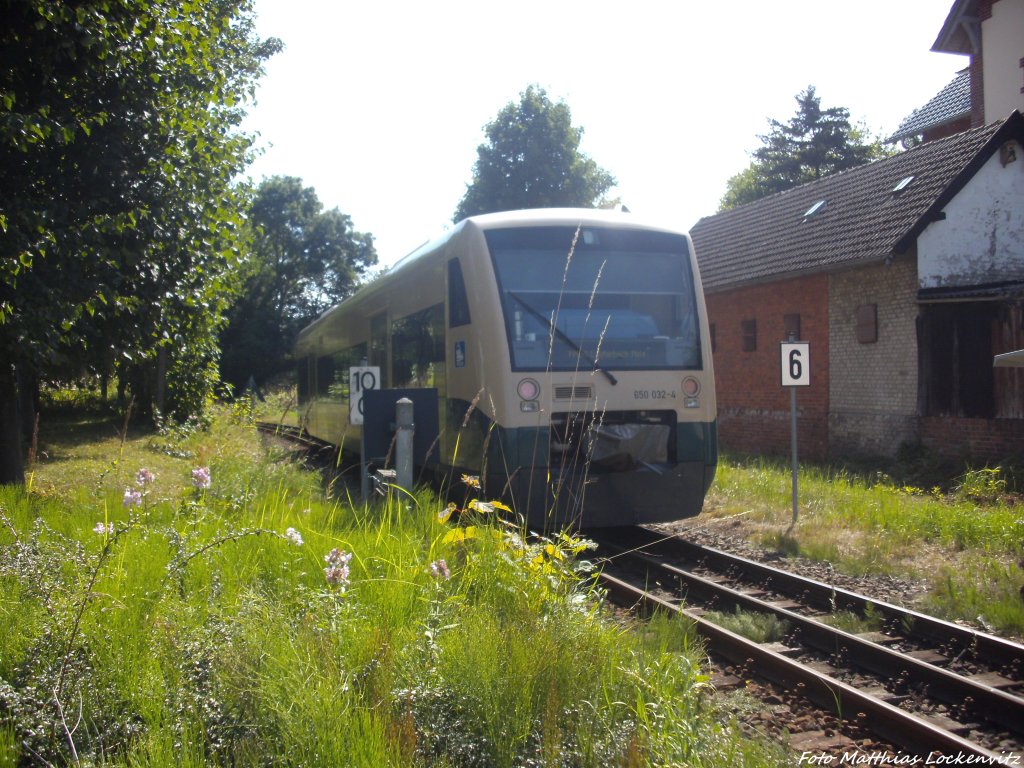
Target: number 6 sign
x=796, y=364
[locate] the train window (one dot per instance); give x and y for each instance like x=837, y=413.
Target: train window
x=458, y=300
x=609, y=298
x=324, y=376
x=417, y=349
x=379, y=344
x=302, y=379
x=337, y=387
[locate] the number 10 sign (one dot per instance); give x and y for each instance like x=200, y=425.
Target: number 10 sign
x=796, y=364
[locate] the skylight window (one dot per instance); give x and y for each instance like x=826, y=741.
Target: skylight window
x=815, y=209
x=904, y=183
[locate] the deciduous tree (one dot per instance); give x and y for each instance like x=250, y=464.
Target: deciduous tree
x=531, y=159
x=302, y=260
x=119, y=219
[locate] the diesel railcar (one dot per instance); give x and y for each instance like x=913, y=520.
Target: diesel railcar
x=570, y=354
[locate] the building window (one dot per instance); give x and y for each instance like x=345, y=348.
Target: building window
x=867, y=323
x=791, y=326
x=749, y=328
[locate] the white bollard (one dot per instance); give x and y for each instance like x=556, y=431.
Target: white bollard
x=403, y=447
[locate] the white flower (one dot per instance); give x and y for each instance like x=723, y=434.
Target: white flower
x=294, y=537
x=132, y=497
x=104, y=530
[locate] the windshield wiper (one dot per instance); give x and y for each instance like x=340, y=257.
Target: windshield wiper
x=561, y=334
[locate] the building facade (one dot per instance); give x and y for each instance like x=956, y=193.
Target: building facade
x=906, y=276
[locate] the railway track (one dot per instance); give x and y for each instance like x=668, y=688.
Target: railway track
x=297, y=437
x=923, y=685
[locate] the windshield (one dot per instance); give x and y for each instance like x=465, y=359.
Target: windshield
x=623, y=299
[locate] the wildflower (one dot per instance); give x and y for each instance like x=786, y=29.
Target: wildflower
x=439, y=570
x=337, y=570
x=104, y=530
x=483, y=507
x=132, y=497
x=293, y=536
x=447, y=512
x=201, y=478
x=473, y=481
x=144, y=477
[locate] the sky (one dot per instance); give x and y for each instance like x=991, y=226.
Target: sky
x=380, y=105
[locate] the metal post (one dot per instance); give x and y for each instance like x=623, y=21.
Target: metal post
x=792, y=427
x=792, y=430
x=364, y=473
x=403, y=447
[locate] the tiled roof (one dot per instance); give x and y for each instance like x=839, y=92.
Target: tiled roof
x=863, y=220
x=951, y=103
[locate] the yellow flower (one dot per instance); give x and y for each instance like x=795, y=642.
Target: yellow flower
x=473, y=481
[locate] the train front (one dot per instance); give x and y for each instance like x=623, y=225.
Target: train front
x=608, y=417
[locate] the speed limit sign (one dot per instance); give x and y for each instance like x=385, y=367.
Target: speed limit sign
x=796, y=364
x=360, y=379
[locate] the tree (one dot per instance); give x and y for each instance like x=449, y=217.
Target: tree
x=814, y=143
x=302, y=260
x=531, y=159
x=119, y=222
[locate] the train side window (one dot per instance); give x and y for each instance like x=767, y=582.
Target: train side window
x=303, y=377
x=324, y=376
x=458, y=300
x=379, y=345
x=417, y=349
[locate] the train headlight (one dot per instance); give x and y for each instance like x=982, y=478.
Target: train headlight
x=528, y=389
x=691, y=387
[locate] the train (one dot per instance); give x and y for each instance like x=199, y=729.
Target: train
x=563, y=357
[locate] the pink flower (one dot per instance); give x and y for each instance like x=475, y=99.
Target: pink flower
x=201, y=478
x=337, y=570
x=439, y=570
x=144, y=477
x=104, y=530
x=132, y=497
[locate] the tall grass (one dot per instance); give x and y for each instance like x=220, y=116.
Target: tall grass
x=966, y=541
x=203, y=626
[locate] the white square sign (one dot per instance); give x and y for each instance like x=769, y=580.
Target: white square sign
x=796, y=364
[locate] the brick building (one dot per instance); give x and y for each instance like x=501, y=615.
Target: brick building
x=988, y=33
x=906, y=276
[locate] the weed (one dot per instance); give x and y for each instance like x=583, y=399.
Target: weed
x=236, y=616
x=759, y=627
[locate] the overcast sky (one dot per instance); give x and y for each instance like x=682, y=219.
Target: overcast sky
x=380, y=106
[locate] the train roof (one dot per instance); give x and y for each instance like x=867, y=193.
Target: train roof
x=542, y=217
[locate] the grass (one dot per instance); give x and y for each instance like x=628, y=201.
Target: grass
x=194, y=629
x=753, y=625
x=965, y=539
